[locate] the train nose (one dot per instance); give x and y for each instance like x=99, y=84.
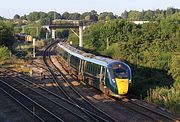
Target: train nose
x=122, y=85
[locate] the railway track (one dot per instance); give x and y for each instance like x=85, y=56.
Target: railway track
x=143, y=108
x=70, y=104
x=54, y=99
x=154, y=114
x=139, y=107
x=37, y=110
x=71, y=93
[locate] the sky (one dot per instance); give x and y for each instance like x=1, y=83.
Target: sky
x=11, y=7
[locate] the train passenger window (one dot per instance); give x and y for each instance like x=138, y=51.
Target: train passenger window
x=96, y=69
x=88, y=67
x=92, y=68
x=74, y=61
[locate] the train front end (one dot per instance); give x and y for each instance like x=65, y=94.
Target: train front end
x=119, y=77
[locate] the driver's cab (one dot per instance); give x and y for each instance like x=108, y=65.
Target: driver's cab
x=121, y=76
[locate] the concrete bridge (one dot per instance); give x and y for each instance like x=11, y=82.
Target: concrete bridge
x=66, y=24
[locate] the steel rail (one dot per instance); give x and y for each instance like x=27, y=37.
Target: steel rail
x=92, y=115
x=50, y=99
x=81, y=96
x=65, y=100
x=159, y=113
x=20, y=103
x=17, y=91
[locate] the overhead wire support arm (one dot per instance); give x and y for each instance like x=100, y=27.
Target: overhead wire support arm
x=74, y=32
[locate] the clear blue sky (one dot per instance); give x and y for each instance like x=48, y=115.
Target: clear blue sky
x=11, y=7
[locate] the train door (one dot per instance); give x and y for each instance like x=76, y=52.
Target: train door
x=103, y=75
x=80, y=72
x=102, y=84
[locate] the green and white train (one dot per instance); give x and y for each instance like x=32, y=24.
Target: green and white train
x=112, y=77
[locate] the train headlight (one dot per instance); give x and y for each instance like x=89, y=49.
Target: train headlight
x=113, y=81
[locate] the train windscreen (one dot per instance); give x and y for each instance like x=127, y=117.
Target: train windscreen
x=120, y=71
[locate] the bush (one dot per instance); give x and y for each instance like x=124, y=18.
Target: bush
x=175, y=66
x=168, y=98
x=74, y=39
x=114, y=52
x=4, y=55
x=149, y=50
x=6, y=34
x=40, y=43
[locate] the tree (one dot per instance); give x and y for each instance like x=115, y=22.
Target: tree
x=34, y=16
x=159, y=14
x=53, y=15
x=61, y=33
x=2, y=18
x=42, y=33
x=90, y=16
x=6, y=34
x=24, y=17
x=103, y=16
x=17, y=30
x=134, y=15
x=16, y=17
x=85, y=14
x=45, y=21
x=65, y=15
x=93, y=12
x=74, y=16
x=124, y=15
x=42, y=15
x=170, y=11
x=148, y=15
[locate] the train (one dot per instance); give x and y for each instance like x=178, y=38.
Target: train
x=112, y=77
x=23, y=37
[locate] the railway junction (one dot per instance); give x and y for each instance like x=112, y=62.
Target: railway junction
x=52, y=94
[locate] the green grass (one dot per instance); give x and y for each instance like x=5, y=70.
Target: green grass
x=167, y=97
x=25, y=49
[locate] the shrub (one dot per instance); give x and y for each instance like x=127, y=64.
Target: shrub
x=175, y=66
x=113, y=51
x=4, y=54
x=40, y=43
x=169, y=97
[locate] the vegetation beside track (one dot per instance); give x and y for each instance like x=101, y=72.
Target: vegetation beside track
x=151, y=49
x=6, y=41
x=4, y=55
x=15, y=54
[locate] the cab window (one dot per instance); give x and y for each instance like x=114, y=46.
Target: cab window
x=120, y=73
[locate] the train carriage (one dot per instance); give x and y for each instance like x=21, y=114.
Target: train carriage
x=23, y=37
x=110, y=76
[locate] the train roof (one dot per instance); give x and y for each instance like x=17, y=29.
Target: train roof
x=87, y=56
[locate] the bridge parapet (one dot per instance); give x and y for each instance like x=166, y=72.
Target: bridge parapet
x=67, y=22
